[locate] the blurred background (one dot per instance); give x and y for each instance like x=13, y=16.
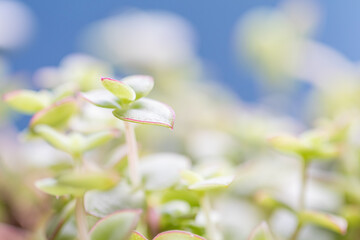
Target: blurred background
x=57, y=29
x=235, y=72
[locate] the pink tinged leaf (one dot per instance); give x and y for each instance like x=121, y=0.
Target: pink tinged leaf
x=119, y=89
x=177, y=235
x=101, y=98
x=137, y=236
x=147, y=111
x=26, y=101
x=328, y=221
x=118, y=225
x=57, y=114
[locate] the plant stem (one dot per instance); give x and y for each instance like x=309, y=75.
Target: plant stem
x=132, y=152
x=302, y=197
x=80, y=216
x=211, y=230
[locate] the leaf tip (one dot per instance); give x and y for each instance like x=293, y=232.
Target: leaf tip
x=42, y=112
x=192, y=235
x=7, y=96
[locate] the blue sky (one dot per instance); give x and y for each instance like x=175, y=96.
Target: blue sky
x=59, y=24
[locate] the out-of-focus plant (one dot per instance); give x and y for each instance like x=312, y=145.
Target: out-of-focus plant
x=310, y=146
x=225, y=178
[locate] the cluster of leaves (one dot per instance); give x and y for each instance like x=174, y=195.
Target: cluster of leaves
x=102, y=191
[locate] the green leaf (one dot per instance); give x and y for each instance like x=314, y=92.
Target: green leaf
x=310, y=145
x=53, y=187
x=147, y=111
x=89, y=180
x=101, y=98
x=56, y=115
x=27, y=101
x=141, y=84
x=122, y=196
x=117, y=226
x=119, y=89
x=328, y=221
x=137, y=236
x=161, y=171
x=77, y=145
x=191, y=177
x=286, y=143
x=97, y=139
x=261, y=232
x=267, y=201
x=212, y=183
x=55, y=138
x=177, y=235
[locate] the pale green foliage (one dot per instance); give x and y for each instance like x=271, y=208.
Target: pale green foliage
x=117, y=226
x=27, y=101
x=128, y=100
x=328, y=221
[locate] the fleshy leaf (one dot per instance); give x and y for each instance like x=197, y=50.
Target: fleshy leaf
x=261, y=232
x=27, y=101
x=264, y=199
x=56, y=115
x=286, y=143
x=141, y=84
x=53, y=187
x=89, y=180
x=97, y=139
x=137, y=236
x=147, y=111
x=328, y=221
x=310, y=145
x=77, y=144
x=177, y=235
x=55, y=138
x=122, y=196
x=191, y=177
x=101, y=98
x=117, y=226
x=212, y=183
x=119, y=89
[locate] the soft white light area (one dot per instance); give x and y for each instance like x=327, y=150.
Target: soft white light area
x=16, y=24
x=142, y=39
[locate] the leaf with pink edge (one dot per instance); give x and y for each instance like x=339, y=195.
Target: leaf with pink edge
x=26, y=101
x=177, y=235
x=141, y=84
x=147, y=111
x=55, y=115
x=261, y=232
x=117, y=226
x=101, y=98
x=334, y=223
x=137, y=236
x=119, y=89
